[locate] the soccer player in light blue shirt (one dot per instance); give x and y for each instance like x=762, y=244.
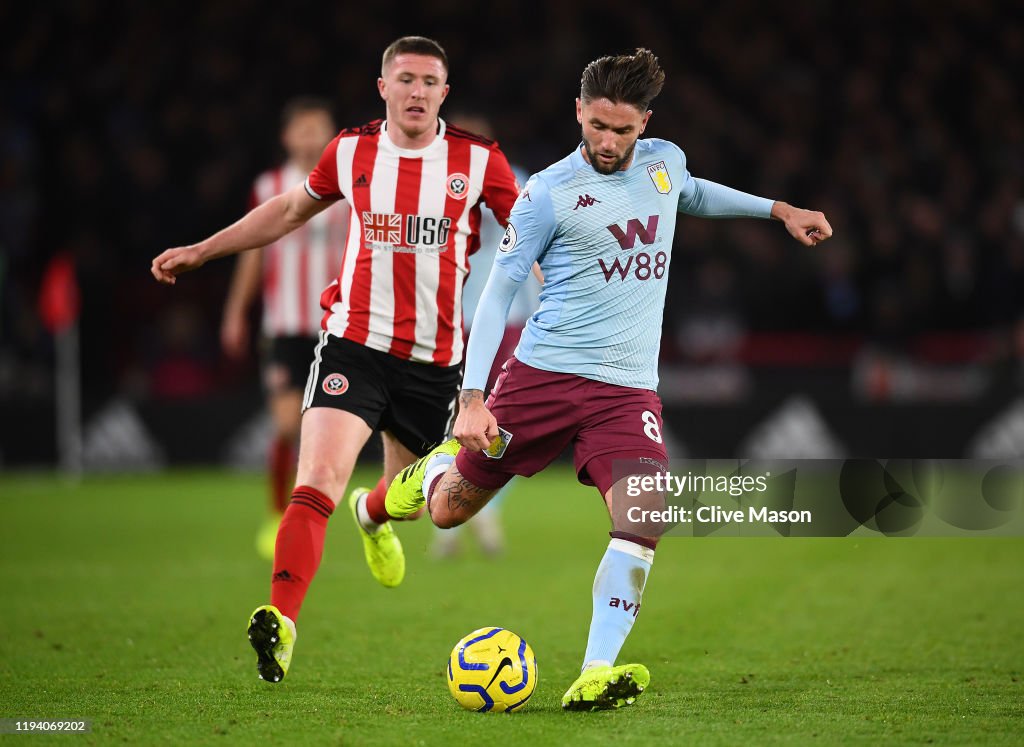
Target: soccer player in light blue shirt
x=600, y=223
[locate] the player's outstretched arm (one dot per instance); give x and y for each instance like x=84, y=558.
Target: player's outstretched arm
x=475, y=427
x=806, y=226
x=262, y=225
x=709, y=199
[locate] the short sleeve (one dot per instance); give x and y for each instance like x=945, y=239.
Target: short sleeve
x=530, y=229
x=322, y=182
x=500, y=187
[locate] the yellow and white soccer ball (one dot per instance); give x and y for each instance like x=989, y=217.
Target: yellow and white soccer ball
x=492, y=669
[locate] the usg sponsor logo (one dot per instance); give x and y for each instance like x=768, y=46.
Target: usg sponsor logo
x=398, y=231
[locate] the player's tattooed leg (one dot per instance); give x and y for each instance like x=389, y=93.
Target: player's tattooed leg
x=455, y=499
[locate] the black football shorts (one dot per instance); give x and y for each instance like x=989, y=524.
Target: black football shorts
x=415, y=402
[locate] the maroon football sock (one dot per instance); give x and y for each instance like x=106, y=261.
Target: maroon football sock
x=651, y=543
x=281, y=464
x=300, y=544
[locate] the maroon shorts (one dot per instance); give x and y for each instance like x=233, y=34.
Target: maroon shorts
x=546, y=411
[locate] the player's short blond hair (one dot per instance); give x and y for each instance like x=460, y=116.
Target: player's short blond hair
x=413, y=45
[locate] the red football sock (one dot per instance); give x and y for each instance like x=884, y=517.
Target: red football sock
x=300, y=544
x=281, y=464
x=375, y=503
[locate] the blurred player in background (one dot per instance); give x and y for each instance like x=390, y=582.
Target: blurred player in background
x=601, y=222
x=486, y=526
x=289, y=276
x=390, y=350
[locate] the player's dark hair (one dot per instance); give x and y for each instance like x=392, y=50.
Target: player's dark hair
x=414, y=45
x=626, y=78
x=303, y=104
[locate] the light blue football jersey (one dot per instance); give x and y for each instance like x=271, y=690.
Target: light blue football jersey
x=604, y=243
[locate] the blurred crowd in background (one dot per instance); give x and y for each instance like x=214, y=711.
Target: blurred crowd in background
x=130, y=127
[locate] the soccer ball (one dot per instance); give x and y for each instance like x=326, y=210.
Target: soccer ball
x=492, y=669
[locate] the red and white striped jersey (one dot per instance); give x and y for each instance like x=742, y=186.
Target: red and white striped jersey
x=297, y=267
x=415, y=219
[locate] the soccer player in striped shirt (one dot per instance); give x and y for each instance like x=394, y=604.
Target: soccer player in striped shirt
x=601, y=223
x=289, y=275
x=390, y=346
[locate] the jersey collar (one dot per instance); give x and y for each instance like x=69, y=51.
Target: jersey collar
x=388, y=144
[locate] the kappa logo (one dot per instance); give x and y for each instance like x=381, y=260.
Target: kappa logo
x=335, y=384
x=458, y=184
x=585, y=200
x=654, y=463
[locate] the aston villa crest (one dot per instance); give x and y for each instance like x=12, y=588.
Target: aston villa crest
x=659, y=175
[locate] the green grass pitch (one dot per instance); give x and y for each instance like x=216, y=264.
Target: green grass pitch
x=126, y=601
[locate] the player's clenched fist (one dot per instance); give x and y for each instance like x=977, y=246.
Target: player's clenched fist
x=806, y=226
x=475, y=427
x=171, y=263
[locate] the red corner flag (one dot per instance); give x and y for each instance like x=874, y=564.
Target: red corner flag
x=59, y=299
